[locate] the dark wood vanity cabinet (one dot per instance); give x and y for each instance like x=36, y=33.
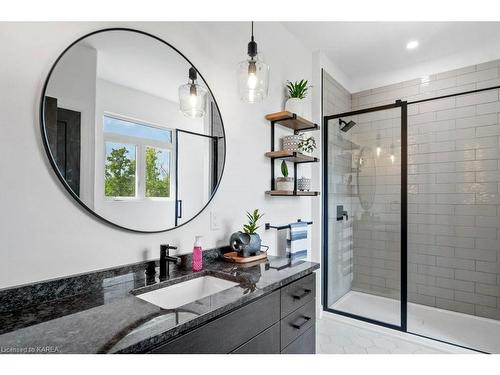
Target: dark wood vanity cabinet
x=298, y=316
x=283, y=321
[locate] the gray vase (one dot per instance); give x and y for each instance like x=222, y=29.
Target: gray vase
x=245, y=244
x=304, y=184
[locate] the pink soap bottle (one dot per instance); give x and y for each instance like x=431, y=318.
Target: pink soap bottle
x=197, y=255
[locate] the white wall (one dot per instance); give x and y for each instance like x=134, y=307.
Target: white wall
x=44, y=234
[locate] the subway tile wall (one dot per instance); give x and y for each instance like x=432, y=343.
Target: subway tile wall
x=340, y=251
x=376, y=202
x=453, y=193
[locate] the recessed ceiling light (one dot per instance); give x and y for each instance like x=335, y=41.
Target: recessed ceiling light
x=412, y=44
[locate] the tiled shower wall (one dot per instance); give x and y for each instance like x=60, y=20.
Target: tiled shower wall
x=337, y=99
x=453, y=190
x=376, y=202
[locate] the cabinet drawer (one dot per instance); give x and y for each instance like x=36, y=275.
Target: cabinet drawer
x=267, y=342
x=225, y=334
x=297, y=323
x=297, y=294
x=304, y=344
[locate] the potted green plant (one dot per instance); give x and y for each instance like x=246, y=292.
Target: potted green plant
x=285, y=182
x=248, y=242
x=297, y=92
x=307, y=146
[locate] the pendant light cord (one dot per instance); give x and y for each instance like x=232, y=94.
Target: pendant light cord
x=252, y=46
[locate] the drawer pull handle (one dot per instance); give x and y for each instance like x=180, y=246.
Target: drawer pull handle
x=300, y=296
x=301, y=324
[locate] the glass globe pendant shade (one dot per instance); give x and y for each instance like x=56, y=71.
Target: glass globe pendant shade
x=192, y=97
x=253, y=75
x=253, y=80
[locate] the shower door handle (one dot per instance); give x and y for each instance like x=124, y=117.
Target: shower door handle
x=341, y=213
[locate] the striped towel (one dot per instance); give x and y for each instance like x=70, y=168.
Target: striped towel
x=296, y=243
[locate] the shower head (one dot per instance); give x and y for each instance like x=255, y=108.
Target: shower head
x=345, y=126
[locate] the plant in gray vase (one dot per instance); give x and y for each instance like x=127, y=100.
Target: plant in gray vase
x=285, y=182
x=248, y=242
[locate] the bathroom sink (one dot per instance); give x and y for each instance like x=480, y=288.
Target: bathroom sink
x=180, y=294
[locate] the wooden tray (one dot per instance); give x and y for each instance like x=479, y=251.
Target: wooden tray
x=235, y=258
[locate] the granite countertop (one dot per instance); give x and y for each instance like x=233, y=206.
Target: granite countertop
x=99, y=313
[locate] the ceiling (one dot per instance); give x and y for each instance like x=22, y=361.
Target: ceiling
x=373, y=54
x=140, y=62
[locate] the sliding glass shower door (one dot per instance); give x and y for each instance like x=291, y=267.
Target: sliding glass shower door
x=365, y=214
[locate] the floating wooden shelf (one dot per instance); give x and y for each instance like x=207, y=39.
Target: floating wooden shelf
x=297, y=124
x=287, y=193
x=291, y=156
x=291, y=121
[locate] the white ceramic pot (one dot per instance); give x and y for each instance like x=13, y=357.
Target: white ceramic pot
x=284, y=183
x=295, y=105
x=291, y=142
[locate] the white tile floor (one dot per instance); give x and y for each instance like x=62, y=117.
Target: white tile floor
x=340, y=335
x=461, y=329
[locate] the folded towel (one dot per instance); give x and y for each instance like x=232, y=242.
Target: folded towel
x=282, y=243
x=297, y=240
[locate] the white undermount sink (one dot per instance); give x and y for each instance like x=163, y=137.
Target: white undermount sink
x=179, y=294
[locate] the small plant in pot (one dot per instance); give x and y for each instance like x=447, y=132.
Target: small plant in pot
x=297, y=92
x=307, y=146
x=248, y=242
x=285, y=182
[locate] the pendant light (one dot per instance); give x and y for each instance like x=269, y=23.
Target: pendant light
x=392, y=157
x=192, y=97
x=253, y=75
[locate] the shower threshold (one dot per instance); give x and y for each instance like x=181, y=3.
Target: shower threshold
x=455, y=328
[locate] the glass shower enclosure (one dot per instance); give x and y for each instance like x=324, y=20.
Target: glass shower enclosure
x=365, y=206
x=411, y=215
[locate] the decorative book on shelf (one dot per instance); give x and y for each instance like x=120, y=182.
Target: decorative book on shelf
x=297, y=124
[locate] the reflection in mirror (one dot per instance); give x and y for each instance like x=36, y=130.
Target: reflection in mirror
x=116, y=135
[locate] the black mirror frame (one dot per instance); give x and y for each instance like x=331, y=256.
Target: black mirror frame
x=52, y=160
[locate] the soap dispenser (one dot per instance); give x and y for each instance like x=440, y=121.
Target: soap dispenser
x=197, y=255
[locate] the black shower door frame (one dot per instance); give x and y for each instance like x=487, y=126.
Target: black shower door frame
x=403, y=105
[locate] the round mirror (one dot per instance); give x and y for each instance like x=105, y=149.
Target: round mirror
x=132, y=130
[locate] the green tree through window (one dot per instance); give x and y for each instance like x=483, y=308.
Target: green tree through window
x=157, y=178
x=119, y=173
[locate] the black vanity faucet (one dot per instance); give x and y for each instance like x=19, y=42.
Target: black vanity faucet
x=165, y=258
